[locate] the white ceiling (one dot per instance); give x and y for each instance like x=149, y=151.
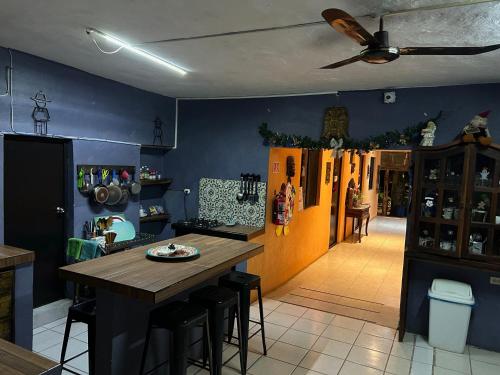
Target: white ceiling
x=267, y=63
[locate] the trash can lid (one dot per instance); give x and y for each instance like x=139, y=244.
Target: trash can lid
x=451, y=291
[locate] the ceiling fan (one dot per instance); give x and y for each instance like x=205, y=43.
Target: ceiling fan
x=378, y=50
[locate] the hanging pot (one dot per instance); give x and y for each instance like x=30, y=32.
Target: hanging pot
x=135, y=187
x=115, y=194
x=100, y=192
x=125, y=196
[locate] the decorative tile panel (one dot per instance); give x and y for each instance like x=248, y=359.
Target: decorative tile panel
x=217, y=201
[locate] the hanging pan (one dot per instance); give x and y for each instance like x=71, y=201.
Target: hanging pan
x=135, y=187
x=115, y=192
x=100, y=192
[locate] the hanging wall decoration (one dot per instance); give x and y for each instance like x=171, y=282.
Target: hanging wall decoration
x=158, y=131
x=40, y=114
x=336, y=123
x=410, y=136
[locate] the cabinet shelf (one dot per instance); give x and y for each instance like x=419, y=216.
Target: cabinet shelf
x=163, y=181
x=155, y=218
x=156, y=148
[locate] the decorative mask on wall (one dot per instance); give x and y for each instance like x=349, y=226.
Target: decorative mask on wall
x=40, y=114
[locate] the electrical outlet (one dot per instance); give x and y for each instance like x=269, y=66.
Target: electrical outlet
x=494, y=280
x=187, y=191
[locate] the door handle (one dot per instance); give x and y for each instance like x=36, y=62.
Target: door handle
x=60, y=210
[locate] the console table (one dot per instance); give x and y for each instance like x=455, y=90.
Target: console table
x=362, y=212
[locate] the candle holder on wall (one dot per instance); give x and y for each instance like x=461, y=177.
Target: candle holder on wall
x=40, y=114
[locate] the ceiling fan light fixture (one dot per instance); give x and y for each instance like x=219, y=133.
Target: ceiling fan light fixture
x=138, y=51
x=381, y=55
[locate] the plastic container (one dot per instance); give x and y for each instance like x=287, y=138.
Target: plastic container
x=450, y=307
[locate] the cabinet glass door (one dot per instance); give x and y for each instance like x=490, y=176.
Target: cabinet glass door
x=440, y=202
x=483, y=232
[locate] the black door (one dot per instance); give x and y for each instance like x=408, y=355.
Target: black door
x=34, y=196
x=334, y=213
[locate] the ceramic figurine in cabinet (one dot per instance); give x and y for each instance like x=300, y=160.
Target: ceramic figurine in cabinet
x=476, y=243
x=425, y=239
x=428, y=207
x=484, y=176
x=449, y=210
x=433, y=174
x=448, y=242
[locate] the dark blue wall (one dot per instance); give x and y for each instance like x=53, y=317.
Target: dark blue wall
x=219, y=138
x=484, y=326
x=84, y=105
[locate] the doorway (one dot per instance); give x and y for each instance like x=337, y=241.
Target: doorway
x=334, y=212
x=394, y=184
x=35, y=203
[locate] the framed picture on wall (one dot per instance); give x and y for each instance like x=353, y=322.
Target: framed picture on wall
x=371, y=166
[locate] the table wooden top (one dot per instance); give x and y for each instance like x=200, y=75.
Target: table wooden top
x=245, y=230
x=132, y=274
x=15, y=360
x=356, y=210
x=12, y=256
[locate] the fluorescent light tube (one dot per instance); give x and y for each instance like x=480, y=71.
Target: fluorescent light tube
x=138, y=51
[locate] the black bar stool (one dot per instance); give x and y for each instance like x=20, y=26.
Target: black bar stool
x=83, y=312
x=216, y=300
x=244, y=283
x=178, y=317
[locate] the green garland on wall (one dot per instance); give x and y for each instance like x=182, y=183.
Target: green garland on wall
x=409, y=136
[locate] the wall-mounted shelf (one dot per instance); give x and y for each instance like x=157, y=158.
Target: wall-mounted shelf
x=163, y=181
x=156, y=148
x=155, y=218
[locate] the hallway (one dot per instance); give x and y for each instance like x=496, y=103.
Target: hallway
x=361, y=281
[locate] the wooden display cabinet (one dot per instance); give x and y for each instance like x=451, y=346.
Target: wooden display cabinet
x=455, y=212
x=456, y=205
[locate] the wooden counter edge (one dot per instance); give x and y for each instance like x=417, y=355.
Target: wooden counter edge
x=11, y=256
x=20, y=354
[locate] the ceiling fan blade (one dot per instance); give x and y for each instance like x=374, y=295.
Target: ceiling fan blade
x=338, y=64
x=346, y=24
x=447, y=50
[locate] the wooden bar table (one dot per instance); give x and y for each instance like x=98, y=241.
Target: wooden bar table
x=128, y=286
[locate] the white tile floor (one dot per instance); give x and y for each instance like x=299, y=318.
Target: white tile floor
x=310, y=342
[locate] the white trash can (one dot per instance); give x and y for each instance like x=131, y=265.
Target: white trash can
x=450, y=307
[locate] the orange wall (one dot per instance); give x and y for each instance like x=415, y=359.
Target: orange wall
x=285, y=256
x=371, y=196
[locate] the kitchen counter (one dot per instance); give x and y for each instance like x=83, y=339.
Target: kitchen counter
x=128, y=286
x=236, y=232
x=16, y=277
x=12, y=256
x=15, y=360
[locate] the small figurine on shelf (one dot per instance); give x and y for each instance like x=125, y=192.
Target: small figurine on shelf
x=428, y=207
x=476, y=243
x=433, y=174
x=425, y=239
x=484, y=176
x=428, y=134
x=450, y=208
x=448, y=242
x=477, y=130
